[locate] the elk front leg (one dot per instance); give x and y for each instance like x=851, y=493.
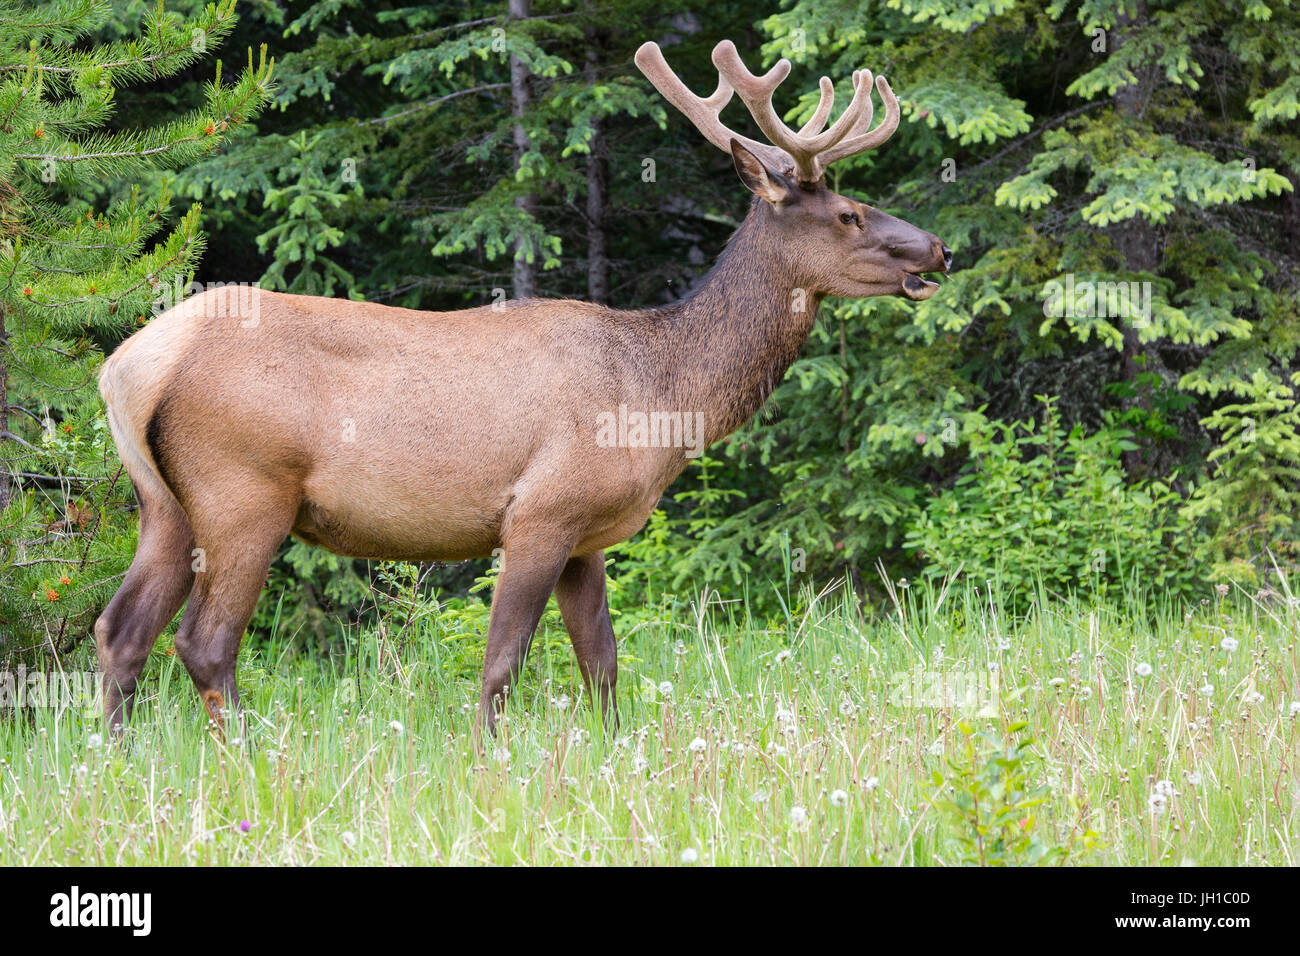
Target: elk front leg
x=580, y=593
x=237, y=549
x=527, y=578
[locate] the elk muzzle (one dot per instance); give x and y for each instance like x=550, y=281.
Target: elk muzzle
x=938, y=259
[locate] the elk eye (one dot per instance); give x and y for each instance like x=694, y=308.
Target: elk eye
x=849, y=218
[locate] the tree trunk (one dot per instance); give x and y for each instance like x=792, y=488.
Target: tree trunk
x=1291, y=213
x=525, y=278
x=597, y=191
x=6, y=484
x=1137, y=242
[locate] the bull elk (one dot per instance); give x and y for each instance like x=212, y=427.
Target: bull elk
x=387, y=433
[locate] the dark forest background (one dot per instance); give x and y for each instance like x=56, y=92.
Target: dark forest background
x=432, y=156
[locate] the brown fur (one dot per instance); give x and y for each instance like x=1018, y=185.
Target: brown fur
x=388, y=433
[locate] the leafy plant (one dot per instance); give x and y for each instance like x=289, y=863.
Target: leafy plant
x=990, y=800
x=1039, y=506
x=1251, y=499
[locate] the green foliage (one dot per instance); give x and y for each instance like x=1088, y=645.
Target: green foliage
x=1251, y=500
x=1041, y=507
x=969, y=112
x=991, y=803
x=419, y=99
x=1099, y=173
x=305, y=592
x=74, y=273
x=302, y=231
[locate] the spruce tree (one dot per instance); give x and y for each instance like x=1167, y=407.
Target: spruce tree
x=77, y=272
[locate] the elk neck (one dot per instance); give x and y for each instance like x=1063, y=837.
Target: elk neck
x=727, y=345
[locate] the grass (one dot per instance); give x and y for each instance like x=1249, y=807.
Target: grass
x=816, y=741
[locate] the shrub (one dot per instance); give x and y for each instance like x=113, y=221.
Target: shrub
x=1039, y=506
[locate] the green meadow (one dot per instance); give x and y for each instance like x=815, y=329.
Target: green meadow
x=932, y=731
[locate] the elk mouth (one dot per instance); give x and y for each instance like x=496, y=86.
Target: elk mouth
x=917, y=287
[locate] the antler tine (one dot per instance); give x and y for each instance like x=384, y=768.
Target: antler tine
x=862, y=122
x=702, y=112
x=756, y=93
x=818, y=121
x=852, y=122
x=803, y=148
x=861, y=141
x=807, y=152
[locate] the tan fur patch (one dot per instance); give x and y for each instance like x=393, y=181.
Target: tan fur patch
x=214, y=701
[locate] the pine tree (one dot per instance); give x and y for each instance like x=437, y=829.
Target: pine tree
x=74, y=275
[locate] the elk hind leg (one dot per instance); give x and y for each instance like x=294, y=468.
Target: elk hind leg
x=153, y=591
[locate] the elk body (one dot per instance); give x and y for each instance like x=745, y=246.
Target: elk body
x=387, y=433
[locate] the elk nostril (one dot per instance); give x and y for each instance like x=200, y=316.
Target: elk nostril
x=947, y=257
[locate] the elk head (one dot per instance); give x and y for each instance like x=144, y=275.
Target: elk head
x=839, y=245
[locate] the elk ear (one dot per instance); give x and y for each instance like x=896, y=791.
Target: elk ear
x=761, y=178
